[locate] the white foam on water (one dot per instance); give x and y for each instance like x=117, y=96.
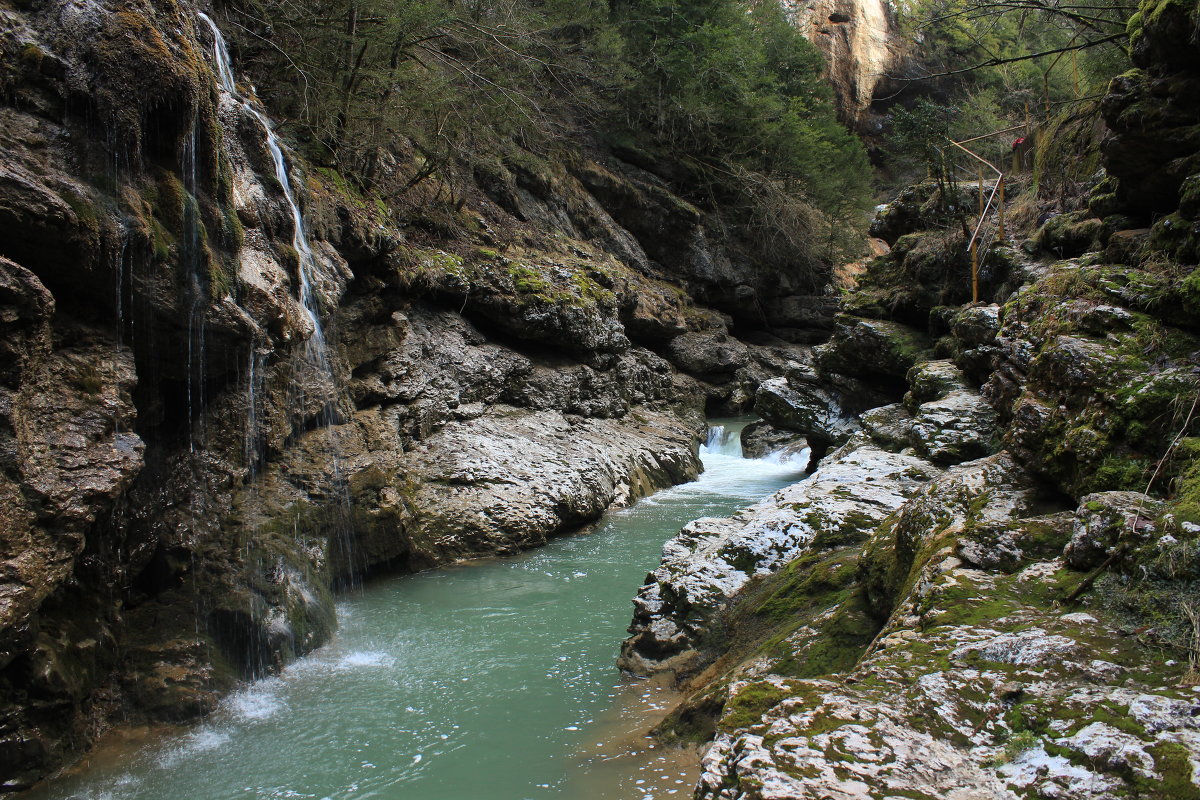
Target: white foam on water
x=204, y=740
x=258, y=702
x=366, y=658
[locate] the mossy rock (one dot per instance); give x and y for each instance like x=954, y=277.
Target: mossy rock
x=1189, y=198
x=1177, y=237
x=1072, y=234
x=872, y=348
x=1161, y=33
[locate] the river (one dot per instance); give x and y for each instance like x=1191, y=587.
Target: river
x=490, y=680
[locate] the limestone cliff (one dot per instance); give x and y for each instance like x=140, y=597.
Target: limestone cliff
x=231, y=383
x=858, y=40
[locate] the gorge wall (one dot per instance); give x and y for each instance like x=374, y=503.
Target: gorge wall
x=860, y=44
x=988, y=588
x=188, y=475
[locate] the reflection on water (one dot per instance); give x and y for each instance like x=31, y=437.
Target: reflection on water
x=492, y=680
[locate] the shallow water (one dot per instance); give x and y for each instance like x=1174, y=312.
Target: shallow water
x=493, y=680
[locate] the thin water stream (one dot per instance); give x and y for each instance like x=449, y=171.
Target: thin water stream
x=493, y=680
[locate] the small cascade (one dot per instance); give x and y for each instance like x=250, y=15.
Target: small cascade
x=316, y=348
x=724, y=440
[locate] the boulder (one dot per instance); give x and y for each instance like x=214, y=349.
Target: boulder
x=806, y=408
x=976, y=326
x=871, y=348
x=708, y=353
x=1106, y=519
x=890, y=427
x=958, y=427
x=932, y=380
x=1071, y=234
x=760, y=439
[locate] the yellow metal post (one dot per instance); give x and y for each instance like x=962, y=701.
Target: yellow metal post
x=974, y=272
x=1000, y=208
x=981, y=191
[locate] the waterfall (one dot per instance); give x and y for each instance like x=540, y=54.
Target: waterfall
x=316, y=345
x=724, y=440
x=316, y=349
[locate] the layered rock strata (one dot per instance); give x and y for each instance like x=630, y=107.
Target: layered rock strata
x=212, y=419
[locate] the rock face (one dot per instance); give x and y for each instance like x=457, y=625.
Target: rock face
x=857, y=39
x=196, y=455
x=1152, y=110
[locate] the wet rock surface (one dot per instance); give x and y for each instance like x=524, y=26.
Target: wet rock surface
x=213, y=420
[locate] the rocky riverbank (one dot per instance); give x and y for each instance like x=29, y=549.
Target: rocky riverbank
x=987, y=588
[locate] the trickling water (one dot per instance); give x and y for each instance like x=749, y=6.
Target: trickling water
x=316, y=349
x=489, y=680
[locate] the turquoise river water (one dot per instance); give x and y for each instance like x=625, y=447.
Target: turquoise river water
x=491, y=680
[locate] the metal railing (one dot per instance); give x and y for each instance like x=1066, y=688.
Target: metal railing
x=994, y=199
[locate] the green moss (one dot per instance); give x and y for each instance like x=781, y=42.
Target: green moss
x=841, y=640
x=1172, y=760
x=221, y=281
x=528, y=280
x=161, y=240
x=1176, y=238
x=1189, y=292
x=813, y=580
x=1118, y=473
x=1186, y=504
x=232, y=233
x=86, y=216
x=747, y=707
x=1018, y=743
x=168, y=199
